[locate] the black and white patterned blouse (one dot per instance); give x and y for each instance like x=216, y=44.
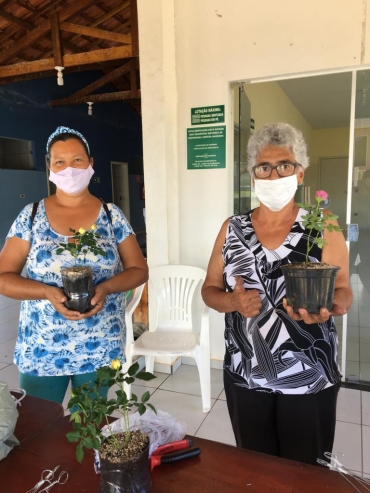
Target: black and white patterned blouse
x=272, y=352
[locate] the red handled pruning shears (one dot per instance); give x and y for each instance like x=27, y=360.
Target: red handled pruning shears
x=173, y=452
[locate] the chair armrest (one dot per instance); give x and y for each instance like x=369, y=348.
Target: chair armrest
x=130, y=308
x=204, y=325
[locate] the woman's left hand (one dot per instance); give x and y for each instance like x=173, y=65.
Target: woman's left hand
x=313, y=318
x=97, y=301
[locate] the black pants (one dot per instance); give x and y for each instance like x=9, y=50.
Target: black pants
x=298, y=427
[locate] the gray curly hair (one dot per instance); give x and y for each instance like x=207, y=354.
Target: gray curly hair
x=277, y=134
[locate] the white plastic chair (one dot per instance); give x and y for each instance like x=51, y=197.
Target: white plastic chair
x=173, y=334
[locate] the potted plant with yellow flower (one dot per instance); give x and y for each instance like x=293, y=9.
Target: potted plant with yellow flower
x=124, y=457
x=77, y=280
x=311, y=285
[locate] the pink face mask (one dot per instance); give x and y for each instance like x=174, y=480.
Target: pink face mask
x=72, y=180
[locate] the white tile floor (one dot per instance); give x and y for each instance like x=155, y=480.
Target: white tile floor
x=179, y=394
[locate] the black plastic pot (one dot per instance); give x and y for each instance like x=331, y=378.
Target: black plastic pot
x=78, y=287
x=128, y=476
x=310, y=287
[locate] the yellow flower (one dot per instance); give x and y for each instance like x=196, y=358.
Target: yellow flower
x=115, y=364
x=82, y=231
x=93, y=227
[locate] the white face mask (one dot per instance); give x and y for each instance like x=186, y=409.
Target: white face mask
x=276, y=194
x=72, y=180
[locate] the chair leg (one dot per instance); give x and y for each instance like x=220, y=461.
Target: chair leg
x=204, y=368
x=149, y=363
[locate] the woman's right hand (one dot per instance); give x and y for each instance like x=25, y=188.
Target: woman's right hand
x=247, y=302
x=57, y=298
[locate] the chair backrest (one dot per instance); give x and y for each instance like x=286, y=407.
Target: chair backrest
x=175, y=286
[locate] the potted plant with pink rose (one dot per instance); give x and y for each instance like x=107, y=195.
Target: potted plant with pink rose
x=311, y=285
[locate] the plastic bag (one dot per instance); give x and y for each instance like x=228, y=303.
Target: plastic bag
x=8, y=420
x=161, y=428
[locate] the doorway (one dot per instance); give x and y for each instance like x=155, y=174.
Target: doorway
x=337, y=189
x=120, y=187
x=333, y=113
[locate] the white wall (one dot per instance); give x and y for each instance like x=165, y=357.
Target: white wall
x=190, y=51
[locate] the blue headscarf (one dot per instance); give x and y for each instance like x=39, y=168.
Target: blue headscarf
x=65, y=130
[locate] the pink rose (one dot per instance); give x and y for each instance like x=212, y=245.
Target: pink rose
x=321, y=194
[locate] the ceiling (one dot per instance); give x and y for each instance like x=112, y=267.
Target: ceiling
x=324, y=101
x=78, y=35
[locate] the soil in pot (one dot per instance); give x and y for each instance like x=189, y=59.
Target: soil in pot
x=78, y=287
x=125, y=470
x=310, y=285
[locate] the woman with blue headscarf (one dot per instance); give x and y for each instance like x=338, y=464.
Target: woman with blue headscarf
x=56, y=345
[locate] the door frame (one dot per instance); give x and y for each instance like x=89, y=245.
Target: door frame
x=126, y=185
x=353, y=71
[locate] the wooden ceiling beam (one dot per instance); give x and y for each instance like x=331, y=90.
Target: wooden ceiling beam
x=96, y=33
x=95, y=98
x=103, y=81
x=12, y=30
x=98, y=21
x=133, y=77
x=70, y=70
x=20, y=22
x=26, y=6
x=111, y=13
x=69, y=61
x=55, y=39
x=42, y=29
x=134, y=28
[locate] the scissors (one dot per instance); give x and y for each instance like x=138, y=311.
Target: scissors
x=62, y=479
x=46, y=477
x=162, y=456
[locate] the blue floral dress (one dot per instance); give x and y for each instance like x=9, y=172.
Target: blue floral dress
x=47, y=343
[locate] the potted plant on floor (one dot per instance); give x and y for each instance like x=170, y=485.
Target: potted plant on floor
x=311, y=285
x=124, y=457
x=77, y=280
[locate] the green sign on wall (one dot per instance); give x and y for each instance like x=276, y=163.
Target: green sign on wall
x=208, y=114
x=206, y=147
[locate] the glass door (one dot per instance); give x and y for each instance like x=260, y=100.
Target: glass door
x=242, y=131
x=358, y=330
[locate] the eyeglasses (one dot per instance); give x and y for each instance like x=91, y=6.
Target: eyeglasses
x=283, y=169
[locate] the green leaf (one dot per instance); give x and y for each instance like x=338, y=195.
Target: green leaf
x=80, y=452
x=96, y=442
x=152, y=407
x=73, y=436
x=91, y=430
x=145, y=397
x=141, y=409
x=145, y=375
x=133, y=369
x=88, y=442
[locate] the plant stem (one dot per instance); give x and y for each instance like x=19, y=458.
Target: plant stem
x=114, y=439
x=125, y=415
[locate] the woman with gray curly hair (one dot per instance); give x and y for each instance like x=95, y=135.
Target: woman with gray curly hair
x=281, y=371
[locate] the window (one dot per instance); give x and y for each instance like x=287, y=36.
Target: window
x=16, y=154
